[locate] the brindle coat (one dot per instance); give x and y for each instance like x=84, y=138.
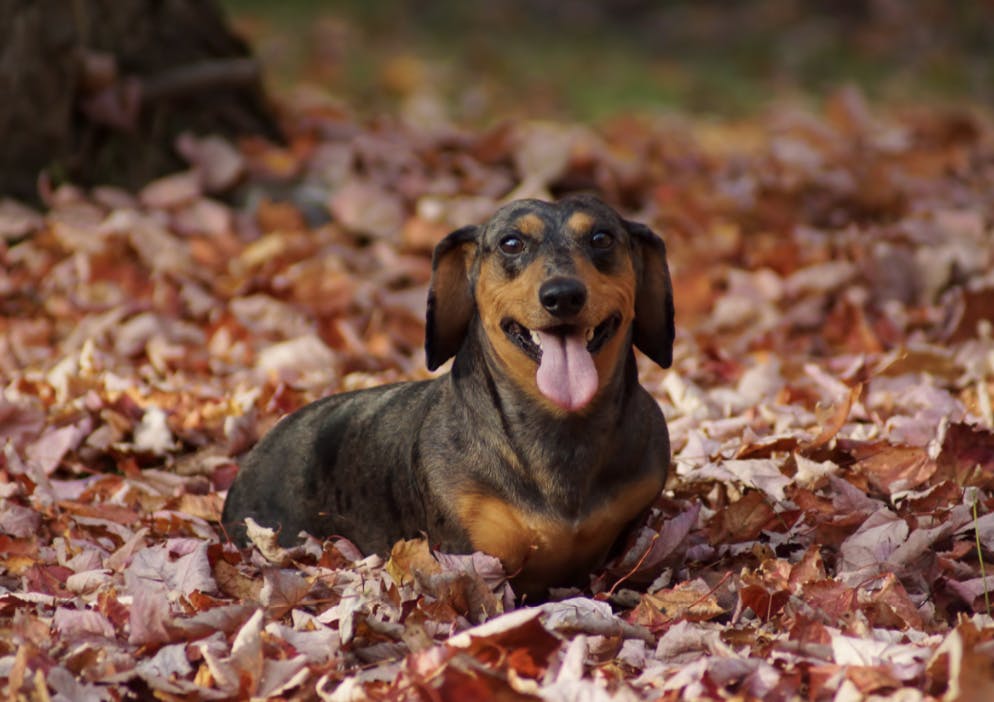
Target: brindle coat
x=479, y=458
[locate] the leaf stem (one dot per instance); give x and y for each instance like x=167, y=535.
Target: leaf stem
x=980, y=556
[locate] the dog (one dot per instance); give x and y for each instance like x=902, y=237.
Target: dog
x=539, y=446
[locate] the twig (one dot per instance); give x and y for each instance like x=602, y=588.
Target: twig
x=710, y=592
x=980, y=556
x=696, y=602
x=634, y=569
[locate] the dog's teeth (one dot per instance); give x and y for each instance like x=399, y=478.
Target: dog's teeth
x=535, y=338
x=590, y=334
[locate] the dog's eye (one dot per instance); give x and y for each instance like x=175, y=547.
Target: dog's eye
x=512, y=245
x=602, y=240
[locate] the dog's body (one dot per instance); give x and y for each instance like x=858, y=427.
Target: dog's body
x=539, y=446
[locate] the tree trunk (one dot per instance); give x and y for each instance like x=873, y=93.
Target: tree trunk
x=96, y=91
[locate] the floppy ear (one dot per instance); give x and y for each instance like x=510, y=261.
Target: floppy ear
x=654, y=327
x=450, y=296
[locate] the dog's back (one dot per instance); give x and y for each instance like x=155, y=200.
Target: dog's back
x=337, y=466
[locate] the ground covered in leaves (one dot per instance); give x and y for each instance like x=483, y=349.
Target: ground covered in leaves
x=830, y=510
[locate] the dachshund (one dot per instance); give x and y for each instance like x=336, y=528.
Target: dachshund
x=539, y=446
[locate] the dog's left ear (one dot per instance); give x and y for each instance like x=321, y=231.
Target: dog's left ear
x=450, y=296
x=654, y=326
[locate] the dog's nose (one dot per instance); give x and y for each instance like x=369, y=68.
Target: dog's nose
x=563, y=297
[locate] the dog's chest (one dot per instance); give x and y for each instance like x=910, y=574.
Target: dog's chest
x=544, y=549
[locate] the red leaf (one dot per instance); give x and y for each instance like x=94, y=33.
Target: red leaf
x=763, y=603
x=967, y=456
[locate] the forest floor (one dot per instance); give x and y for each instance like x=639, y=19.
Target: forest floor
x=825, y=530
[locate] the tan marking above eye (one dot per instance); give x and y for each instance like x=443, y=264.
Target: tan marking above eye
x=530, y=224
x=580, y=222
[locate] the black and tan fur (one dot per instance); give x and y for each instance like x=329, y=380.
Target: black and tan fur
x=479, y=458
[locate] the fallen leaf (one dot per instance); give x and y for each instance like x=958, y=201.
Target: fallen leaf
x=742, y=520
x=692, y=601
x=171, y=190
x=408, y=559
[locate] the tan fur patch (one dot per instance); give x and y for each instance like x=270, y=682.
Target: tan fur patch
x=530, y=224
x=498, y=299
x=544, y=548
x=580, y=222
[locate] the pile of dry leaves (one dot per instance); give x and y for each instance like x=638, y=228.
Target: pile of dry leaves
x=831, y=508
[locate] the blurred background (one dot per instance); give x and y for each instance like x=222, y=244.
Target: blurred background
x=588, y=59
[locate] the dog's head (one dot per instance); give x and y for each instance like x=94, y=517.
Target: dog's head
x=561, y=289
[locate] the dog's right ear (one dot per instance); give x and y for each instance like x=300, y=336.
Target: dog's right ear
x=450, y=296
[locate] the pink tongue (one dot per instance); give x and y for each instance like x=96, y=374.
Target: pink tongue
x=567, y=375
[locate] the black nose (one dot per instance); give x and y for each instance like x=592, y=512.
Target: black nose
x=563, y=297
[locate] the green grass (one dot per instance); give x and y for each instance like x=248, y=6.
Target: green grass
x=728, y=59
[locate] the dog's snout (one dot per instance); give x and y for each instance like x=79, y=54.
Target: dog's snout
x=563, y=297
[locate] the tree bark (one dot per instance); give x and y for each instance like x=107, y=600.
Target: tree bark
x=96, y=91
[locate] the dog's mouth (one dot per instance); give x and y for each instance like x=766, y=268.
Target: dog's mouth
x=566, y=372
x=530, y=340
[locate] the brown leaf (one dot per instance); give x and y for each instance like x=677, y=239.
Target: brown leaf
x=150, y=617
x=52, y=446
x=808, y=632
x=975, y=309
x=692, y=601
x=461, y=587
x=216, y=161
x=236, y=584
x=762, y=602
x=830, y=597
x=171, y=191
x=47, y=579
x=652, y=549
x=810, y=568
x=207, y=507
x=205, y=217
x=409, y=558
x=520, y=632
x=17, y=220
x=266, y=540
x=420, y=234
x=742, y=520
x=890, y=606
x=73, y=624
x=18, y=521
x=891, y=469
x=967, y=456
x=282, y=590
x=367, y=209
x=114, y=513
x=21, y=421
x=869, y=679
x=461, y=680
x=833, y=422
x=960, y=667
